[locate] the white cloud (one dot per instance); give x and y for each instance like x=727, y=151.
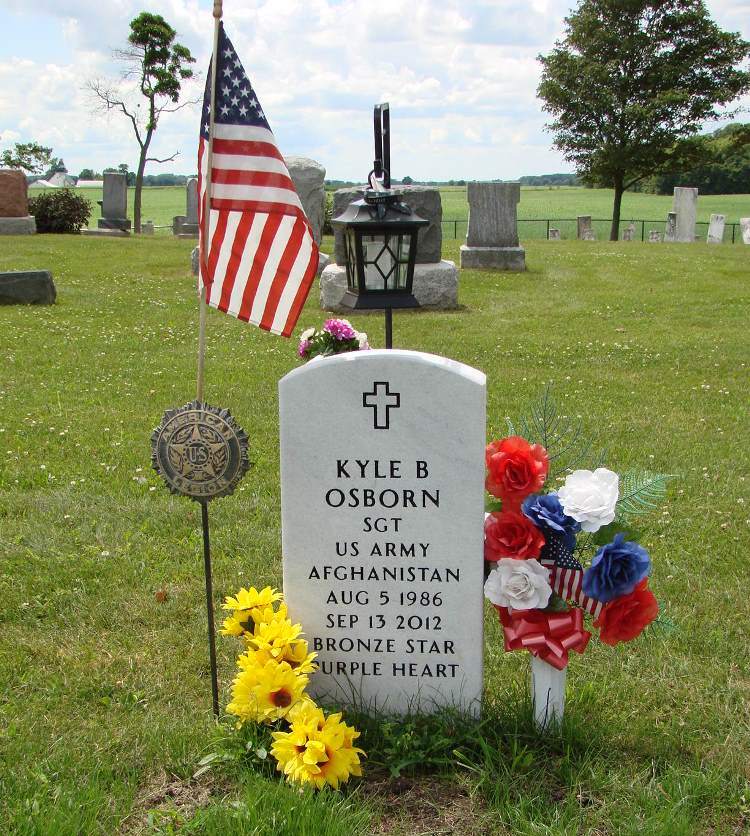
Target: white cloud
x=460, y=76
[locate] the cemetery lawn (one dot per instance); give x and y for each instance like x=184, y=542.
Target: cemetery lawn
x=104, y=691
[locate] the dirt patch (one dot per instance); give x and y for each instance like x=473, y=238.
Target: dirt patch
x=426, y=807
x=165, y=793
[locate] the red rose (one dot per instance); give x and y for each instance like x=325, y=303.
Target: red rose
x=626, y=617
x=515, y=469
x=510, y=534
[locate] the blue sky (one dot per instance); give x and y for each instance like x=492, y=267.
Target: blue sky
x=460, y=78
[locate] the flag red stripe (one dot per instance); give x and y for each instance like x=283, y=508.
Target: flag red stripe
x=235, y=177
x=217, y=239
x=238, y=247
x=247, y=148
x=254, y=206
x=264, y=248
x=282, y=273
x=301, y=295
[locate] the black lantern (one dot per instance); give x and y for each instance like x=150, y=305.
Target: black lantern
x=380, y=236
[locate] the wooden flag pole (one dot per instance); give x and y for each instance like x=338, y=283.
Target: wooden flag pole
x=203, y=254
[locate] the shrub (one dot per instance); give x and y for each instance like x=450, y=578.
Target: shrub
x=60, y=211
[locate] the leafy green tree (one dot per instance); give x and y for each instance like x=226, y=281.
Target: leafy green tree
x=89, y=174
x=160, y=65
x=632, y=81
x=28, y=156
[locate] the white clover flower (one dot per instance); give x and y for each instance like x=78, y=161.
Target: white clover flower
x=590, y=497
x=518, y=584
x=306, y=334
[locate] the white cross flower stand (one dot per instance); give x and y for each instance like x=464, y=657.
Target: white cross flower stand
x=548, y=693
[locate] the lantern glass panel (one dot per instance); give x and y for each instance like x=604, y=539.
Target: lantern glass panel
x=386, y=261
x=351, y=259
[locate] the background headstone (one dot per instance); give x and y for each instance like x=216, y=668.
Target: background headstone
x=716, y=229
x=628, y=234
x=670, y=230
x=654, y=236
x=554, y=234
x=194, y=256
x=745, y=228
x=584, y=226
x=308, y=177
x=684, y=205
x=492, y=233
x=382, y=515
x=14, y=204
x=191, y=200
x=27, y=287
x=114, y=202
x=147, y=228
x=588, y=235
x=424, y=200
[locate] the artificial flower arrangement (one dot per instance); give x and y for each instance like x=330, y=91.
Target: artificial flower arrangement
x=336, y=337
x=536, y=538
x=274, y=671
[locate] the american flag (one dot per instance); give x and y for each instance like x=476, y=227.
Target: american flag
x=262, y=258
x=567, y=575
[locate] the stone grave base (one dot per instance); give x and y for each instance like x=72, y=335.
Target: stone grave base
x=27, y=287
x=122, y=224
x=435, y=286
x=18, y=226
x=188, y=236
x=493, y=258
x=106, y=233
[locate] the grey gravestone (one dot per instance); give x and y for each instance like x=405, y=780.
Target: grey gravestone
x=584, y=226
x=308, y=177
x=435, y=286
x=554, y=234
x=670, y=230
x=654, y=236
x=716, y=229
x=628, y=233
x=194, y=261
x=114, y=202
x=27, y=287
x=745, y=227
x=191, y=200
x=424, y=200
x=147, y=228
x=684, y=206
x=588, y=235
x=382, y=514
x=492, y=234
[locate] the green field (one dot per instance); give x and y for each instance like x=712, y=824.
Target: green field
x=162, y=204
x=104, y=690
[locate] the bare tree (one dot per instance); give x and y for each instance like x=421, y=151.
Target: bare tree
x=160, y=66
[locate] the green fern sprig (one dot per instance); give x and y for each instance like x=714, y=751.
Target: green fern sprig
x=641, y=492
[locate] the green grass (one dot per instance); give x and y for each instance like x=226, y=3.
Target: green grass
x=162, y=204
x=104, y=691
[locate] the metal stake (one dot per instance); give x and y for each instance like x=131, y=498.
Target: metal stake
x=389, y=327
x=210, y=607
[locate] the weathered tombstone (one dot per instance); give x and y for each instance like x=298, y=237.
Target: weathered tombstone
x=654, y=236
x=716, y=229
x=745, y=227
x=628, y=234
x=147, y=227
x=584, y=226
x=435, y=279
x=308, y=177
x=589, y=235
x=670, y=230
x=27, y=287
x=191, y=200
x=194, y=261
x=14, y=204
x=554, y=234
x=382, y=513
x=492, y=234
x=684, y=205
x=114, y=202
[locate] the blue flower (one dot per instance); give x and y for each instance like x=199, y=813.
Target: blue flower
x=546, y=512
x=616, y=570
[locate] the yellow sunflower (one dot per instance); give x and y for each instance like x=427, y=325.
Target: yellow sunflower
x=317, y=749
x=248, y=607
x=265, y=692
x=296, y=655
x=274, y=636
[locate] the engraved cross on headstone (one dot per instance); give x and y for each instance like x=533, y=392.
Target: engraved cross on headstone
x=381, y=400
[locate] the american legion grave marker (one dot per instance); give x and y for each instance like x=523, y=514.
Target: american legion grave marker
x=382, y=492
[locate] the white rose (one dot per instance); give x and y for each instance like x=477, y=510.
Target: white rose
x=305, y=335
x=362, y=339
x=590, y=498
x=518, y=584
